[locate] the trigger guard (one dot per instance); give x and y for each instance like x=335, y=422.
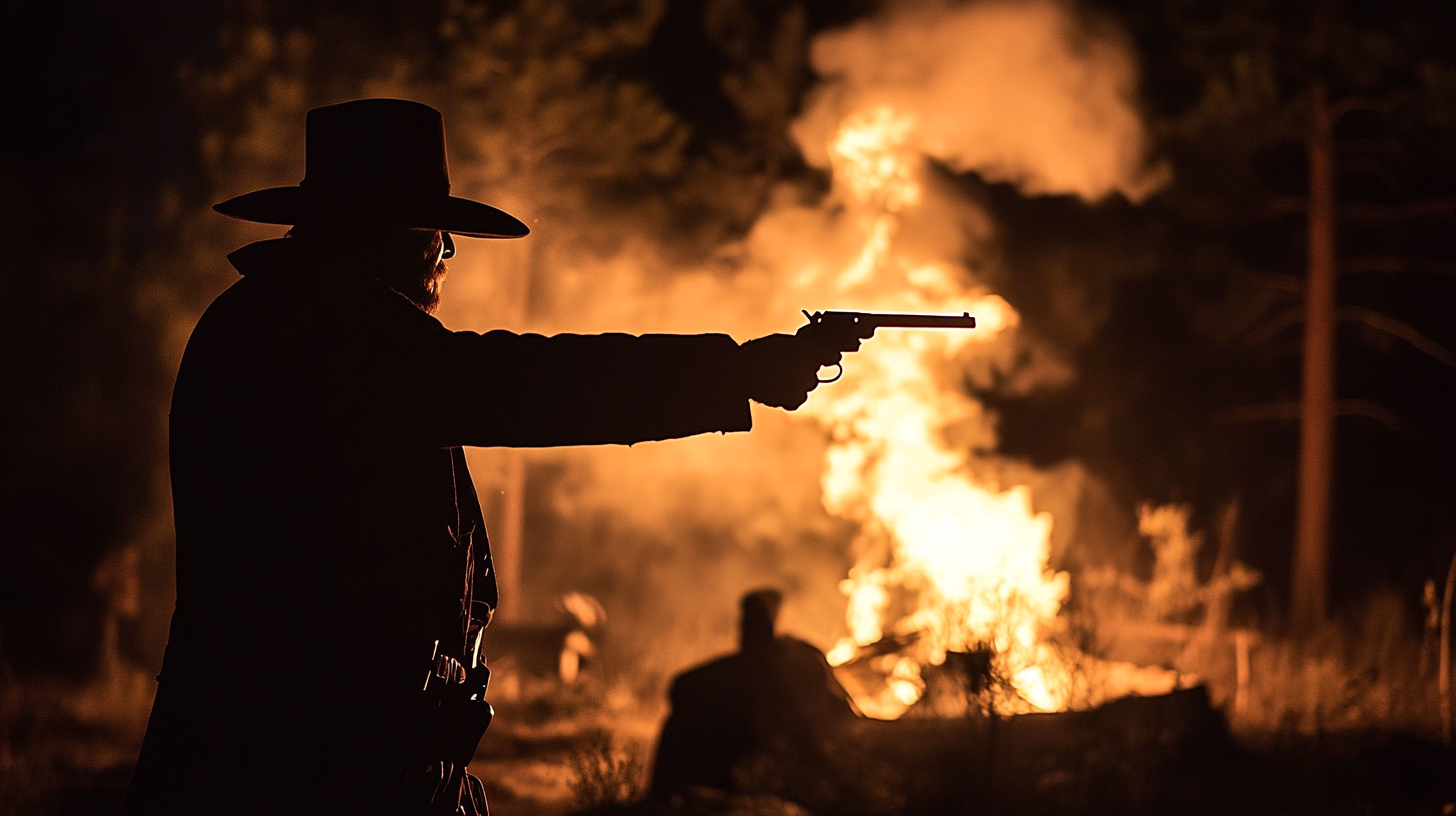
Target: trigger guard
x=838, y=372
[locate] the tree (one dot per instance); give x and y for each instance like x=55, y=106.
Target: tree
x=1319, y=76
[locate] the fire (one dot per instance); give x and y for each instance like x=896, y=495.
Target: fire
x=869, y=157
x=949, y=558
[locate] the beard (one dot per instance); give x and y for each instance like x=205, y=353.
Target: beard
x=420, y=282
x=411, y=262
x=416, y=269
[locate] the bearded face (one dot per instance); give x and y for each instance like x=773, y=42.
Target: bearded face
x=411, y=261
x=418, y=267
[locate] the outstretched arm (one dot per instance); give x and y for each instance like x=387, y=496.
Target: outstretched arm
x=528, y=390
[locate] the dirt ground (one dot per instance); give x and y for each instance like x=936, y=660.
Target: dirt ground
x=587, y=749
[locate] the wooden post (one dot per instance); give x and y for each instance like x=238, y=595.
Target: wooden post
x=1241, y=672
x=1220, y=584
x=1317, y=416
x=1443, y=673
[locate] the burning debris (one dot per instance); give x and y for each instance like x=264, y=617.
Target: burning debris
x=951, y=561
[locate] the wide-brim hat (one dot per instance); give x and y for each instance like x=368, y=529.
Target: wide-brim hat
x=380, y=163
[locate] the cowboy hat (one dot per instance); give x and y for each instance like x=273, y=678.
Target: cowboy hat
x=380, y=162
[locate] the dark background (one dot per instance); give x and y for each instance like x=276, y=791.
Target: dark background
x=104, y=165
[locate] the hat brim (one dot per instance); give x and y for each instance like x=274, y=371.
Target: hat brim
x=457, y=216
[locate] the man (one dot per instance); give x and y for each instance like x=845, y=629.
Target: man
x=333, y=573
x=756, y=721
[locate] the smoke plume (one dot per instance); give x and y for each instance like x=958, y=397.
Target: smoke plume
x=669, y=534
x=1021, y=92
x=1026, y=93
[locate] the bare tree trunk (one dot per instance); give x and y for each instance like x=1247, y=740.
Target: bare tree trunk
x=1220, y=600
x=1317, y=415
x=1443, y=675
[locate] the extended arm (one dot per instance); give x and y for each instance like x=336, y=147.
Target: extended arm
x=528, y=390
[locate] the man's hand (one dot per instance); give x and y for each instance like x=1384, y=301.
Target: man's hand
x=781, y=369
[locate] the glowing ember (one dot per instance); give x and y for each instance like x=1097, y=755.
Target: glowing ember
x=950, y=560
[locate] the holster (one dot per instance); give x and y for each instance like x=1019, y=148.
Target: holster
x=456, y=719
x=461, y=717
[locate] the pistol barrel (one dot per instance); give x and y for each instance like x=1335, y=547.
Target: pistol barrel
x=891, y=320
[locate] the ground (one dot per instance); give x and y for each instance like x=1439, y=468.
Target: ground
x=586, y=748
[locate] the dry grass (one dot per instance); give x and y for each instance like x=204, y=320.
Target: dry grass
x=609, y=771
x=1368, y=671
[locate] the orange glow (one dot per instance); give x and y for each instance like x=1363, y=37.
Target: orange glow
x=951, y=553
x=967, y=558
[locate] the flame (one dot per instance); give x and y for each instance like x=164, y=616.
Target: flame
x=870, y=159
x=950, y=558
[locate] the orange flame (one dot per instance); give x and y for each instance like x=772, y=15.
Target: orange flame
x=967, y=560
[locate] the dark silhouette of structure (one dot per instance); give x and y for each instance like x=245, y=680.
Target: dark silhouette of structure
x=333, y=572
x=758, y=719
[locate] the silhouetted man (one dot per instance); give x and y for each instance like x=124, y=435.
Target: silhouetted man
x=756, y=719
x=333, y=573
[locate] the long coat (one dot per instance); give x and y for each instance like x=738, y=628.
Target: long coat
x=327, y=526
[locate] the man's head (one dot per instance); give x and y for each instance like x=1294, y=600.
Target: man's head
x=409, y=261
x=760, y=613
x=376, y=194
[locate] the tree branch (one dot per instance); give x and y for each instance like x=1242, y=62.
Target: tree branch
x=1278, y=206
x=1278, y=281
x=1370, y=167
x=1362, y=145
x=1370, y=410
x=1284, y=320
x=1289, y=409
x=1396, y=212
x=1374, y=104
x=1401, y=329
x=1395, y=263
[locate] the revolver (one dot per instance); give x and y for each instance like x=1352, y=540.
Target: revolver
x=843, y=331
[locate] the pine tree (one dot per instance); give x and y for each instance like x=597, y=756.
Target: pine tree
x=1316, y=77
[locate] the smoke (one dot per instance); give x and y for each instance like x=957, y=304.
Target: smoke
x=668, y=535
x=1020, y=92
x=671, y=533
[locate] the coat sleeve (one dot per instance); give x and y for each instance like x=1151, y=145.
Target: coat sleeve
x=343, y=356
x=527, y=390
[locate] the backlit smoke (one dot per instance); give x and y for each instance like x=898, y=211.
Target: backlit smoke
x=668, y=534
x=952, y=549
x=1023, y=92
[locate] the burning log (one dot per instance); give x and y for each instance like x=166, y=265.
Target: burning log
x=891, y=644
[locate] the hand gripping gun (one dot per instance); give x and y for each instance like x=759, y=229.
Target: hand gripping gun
x=843, y=331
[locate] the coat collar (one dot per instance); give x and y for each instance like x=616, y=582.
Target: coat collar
x=260, y=256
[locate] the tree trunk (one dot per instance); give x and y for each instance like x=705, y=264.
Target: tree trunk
x=1317, y=415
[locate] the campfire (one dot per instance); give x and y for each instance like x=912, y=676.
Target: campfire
x=950, y=560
